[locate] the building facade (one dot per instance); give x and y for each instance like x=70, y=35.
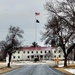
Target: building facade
x=42, y=53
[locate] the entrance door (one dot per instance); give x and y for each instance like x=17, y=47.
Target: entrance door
x=37, y=57
x=41, y=57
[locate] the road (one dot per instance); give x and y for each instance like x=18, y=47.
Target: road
x=40, y=69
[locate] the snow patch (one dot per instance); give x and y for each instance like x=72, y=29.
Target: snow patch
x=60, y=65
x=71, y=70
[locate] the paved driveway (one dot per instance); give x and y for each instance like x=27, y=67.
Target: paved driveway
x=40, y=69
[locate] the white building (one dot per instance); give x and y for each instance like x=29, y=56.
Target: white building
x=43, y=53
x=57, y=52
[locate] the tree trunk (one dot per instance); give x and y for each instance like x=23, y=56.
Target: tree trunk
x=74, y=57
x=65, y=55
x=65, y=61
x=8, y=65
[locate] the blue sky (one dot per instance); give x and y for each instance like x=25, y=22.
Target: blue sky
x=22, y=13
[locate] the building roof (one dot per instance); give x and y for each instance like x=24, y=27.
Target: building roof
x=36, y=48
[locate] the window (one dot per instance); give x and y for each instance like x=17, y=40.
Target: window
x=18, y=52
x=45, y=51
x=28, y=56
x=59, y=51
x=59, y=55
x=41, y=56
x=32, y=56
x=32, y=51
x=54, y=51
x=36, y=51
x=18, y=56
x=44, y=56
x=41, y=51
x=49, y=52
x=54, y=56
x=14, y=57
x=23, y=51
x=28, y=52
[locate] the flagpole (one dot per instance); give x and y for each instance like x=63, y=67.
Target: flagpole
x=35, y=30
x=36, y=21
x=35, y=36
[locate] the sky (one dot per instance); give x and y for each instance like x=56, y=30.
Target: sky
x=21, y=13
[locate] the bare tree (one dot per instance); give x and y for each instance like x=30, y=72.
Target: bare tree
x=12, y=43
x=3, y=53
x=60, y=27
x=34, y=44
